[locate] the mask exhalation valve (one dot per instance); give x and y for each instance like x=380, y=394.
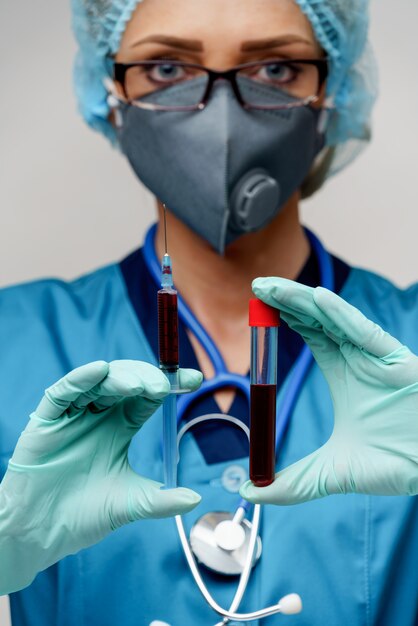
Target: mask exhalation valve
x=254, y=200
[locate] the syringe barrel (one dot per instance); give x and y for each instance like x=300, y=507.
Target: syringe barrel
x=170, y=451
x=168, y=334
x=264, y=322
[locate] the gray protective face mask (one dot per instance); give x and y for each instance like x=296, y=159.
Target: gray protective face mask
x=224, y=171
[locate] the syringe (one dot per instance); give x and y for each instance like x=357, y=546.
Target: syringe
x=168, y=348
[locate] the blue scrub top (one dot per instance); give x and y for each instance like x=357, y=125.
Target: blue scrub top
x=353, y=559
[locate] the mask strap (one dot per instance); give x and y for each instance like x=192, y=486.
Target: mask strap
x=113, y=100
x=324, y=117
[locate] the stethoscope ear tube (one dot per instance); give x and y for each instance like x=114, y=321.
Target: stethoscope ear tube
x=243, y=582
x=251, y=555
x=291, y=603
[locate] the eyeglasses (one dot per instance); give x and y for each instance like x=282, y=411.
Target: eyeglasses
x=268, y=85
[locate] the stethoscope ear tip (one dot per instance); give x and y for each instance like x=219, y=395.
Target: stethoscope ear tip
x=290, y=604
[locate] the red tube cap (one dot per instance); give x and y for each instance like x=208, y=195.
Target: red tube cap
x=261, y=314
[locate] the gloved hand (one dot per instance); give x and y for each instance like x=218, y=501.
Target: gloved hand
x=69, y=483
x=373, y=380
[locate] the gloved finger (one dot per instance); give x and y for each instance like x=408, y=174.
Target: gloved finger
x=143, y=498
x=133, y=378
x=397, y=370
x=138, y=409
x=162, y=502
x=190, y=379
x=289, y=297
x=324, y=349
x=355, y=326
x=340, y=320
x=126, y=379
x=97, y=400
x=144, y=399
x=308, y=479
x=59, y=396
x=106, y=394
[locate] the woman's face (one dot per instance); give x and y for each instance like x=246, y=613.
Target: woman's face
x=218, y=34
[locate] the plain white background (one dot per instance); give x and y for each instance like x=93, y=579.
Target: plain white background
x=69, y=202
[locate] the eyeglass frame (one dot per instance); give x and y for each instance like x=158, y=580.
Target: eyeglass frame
x=120, y=69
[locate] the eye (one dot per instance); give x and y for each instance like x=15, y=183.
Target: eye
x=276, y=73
x=166, y=73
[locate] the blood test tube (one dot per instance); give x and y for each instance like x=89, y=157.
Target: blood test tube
x=264, y=321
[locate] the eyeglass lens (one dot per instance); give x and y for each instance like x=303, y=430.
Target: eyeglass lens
x=257, y=83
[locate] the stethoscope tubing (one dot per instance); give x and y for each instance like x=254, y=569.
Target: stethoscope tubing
x=223, y=378
x=228, y=614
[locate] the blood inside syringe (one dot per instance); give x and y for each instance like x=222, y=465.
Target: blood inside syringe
x=168, y=346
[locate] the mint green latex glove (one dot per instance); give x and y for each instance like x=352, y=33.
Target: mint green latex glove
x=69, y=483
x=373, y=381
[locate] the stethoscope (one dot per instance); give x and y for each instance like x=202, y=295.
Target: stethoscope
x=228, y=543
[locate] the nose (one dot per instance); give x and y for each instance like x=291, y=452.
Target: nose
x=220, y=80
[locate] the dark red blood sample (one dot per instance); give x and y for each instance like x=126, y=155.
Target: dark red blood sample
x=263, y=434
x=168, y=336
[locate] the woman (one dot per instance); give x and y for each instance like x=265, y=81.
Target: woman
x=231, y=174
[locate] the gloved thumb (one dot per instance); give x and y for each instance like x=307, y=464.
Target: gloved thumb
x=142, y=498
x=159, y=502
x=305, y=480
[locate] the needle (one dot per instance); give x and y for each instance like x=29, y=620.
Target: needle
x=165, y=227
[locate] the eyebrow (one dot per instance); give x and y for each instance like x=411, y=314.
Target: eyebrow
x=273, y=42
x=174, y=42
x=247, y=46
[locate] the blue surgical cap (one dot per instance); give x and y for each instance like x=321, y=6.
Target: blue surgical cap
x=340, y=26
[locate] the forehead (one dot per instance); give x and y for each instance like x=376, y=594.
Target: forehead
x=215, y=19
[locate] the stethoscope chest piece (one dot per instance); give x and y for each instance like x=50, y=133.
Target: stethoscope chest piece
x=221, y=544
